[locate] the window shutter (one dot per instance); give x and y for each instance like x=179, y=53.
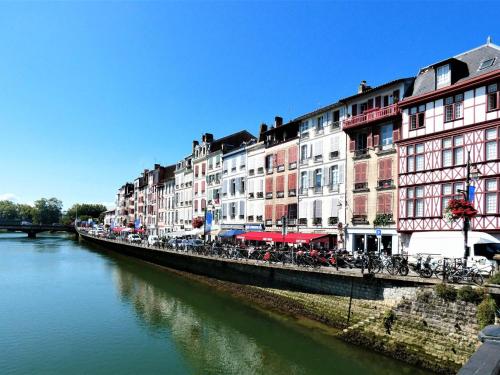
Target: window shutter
x=335, y=143
x=202, y=186
x=292, y=181
x=334, y=207
x=203, y=204
x=302, y=209
x=251, y=186
x=380, y=203
x=357, y=173
x=242, y=207
x=280, y=182
x=341, y=173
x=311, y=179
x=261, y=186
x=326, y=176
x=352, y=145
x=251, y=163
x=196, y=205
x=363, y=170
x=369, y=141
x=269, y=185
x=269, y=212
x=203, y=168
x=376, y=140
x=381, y=169
x=196, y=188
x=318, y=148
x=250, y=209
x=388, y=169
x=292, y=154
x=395, y=135
x=388, y=203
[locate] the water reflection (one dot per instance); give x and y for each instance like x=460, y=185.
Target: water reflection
x=217, y=335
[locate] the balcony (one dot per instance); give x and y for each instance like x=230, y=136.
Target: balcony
x=335, y=125
x=280, y=194
x=317, y=221
x=250, y=219
x=280, y=168
x=334, y=155
x=292, y=192
x=260, y=194
x=259, y=219
x=269, y=223
x=361, y=153
x=251, y=172
x=360, y=186
x=333, y=220
x=303, y=221
x=292, y=222
x=269, y=195
x=359, y=219
x=260, y=170
x=374, y=114
x=251, y=195
x=385, y=184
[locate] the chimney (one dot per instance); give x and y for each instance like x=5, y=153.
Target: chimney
x=209, y=138
x=278, y=121
x=362, y=87
x=262, y=130
x=157, y=166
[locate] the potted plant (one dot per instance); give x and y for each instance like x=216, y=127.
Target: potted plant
x=382, y=220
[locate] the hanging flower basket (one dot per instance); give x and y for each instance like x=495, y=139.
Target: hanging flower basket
x=459, y=209
x=197, y=222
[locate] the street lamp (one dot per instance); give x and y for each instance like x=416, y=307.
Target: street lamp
x=473, y=173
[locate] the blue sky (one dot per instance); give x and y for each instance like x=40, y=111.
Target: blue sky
x=92, y=93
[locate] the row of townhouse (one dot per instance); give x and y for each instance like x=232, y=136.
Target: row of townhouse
x=389, y=157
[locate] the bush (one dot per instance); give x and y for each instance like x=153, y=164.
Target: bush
x=469, y=294
x=495, y=279
x=486, y=312
x=389, y=318
x=446, y=292
x=424, y=296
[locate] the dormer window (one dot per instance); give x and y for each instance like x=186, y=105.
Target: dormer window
x=443, y=76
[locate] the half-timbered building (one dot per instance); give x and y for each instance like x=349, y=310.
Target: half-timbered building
x=454, y=110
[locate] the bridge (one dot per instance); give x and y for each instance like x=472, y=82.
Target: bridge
x=33, y=229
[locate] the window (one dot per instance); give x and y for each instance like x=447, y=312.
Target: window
x=318, y=175
x=448, y=192
x=269, y=163
x=334, y=175
x=319, y=124
x=491, y=148
x=493, y=97
x=386, y=136
x=454, y=107
x=491, y=196
x=453, y=151
x=415, y=201
x=361, y=142
x=360, y=176
x=303, y=183
x=415, y=158
x=303, y=153
x=443, y=76
x=304, y=126
x=486, y=63
x=384, y=203
x=417, y=117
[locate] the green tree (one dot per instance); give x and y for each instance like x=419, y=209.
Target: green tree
x=8, y=211
x=47, y=211
x=25, y=212
x=84, y=210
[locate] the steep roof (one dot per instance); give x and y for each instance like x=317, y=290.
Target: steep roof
x=231, y=141
x=372, y=89
x=464, y=66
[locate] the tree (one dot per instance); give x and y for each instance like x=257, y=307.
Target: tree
x=25, y=212
x=48, y=211
x=8, y=211
x=88, y=210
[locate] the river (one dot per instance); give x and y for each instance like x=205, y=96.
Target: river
x=69, y=308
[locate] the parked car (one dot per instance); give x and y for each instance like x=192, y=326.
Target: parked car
x=134, y=238
x=25, y=222
x=153, y=240
x=194, y=243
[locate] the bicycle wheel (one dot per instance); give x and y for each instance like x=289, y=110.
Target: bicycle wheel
x=403, y=270
x=477, y=278
x=426, y=273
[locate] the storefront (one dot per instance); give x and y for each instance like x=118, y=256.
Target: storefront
x=367, y=240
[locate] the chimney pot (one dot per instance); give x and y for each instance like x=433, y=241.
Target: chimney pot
x=278, y=121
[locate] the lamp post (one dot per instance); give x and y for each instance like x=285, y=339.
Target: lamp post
x=472, y=174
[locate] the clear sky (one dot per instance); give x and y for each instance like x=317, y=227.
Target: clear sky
x=92, y=93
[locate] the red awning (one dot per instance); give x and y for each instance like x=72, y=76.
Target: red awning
x=117, y=229
x=295, y=238
x=261, y=236
x=304, y=238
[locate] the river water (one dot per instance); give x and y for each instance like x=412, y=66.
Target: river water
x=69, y=308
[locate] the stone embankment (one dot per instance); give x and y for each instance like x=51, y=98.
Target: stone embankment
x=400, y=318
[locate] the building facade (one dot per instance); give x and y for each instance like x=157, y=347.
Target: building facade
x=256, y=158
x=280, y=187
x=372, y=126
x=183, y=195
x=321, y=172
x=234, y=172
x=453, y=112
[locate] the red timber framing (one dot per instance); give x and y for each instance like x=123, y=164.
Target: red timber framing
x=435, y=176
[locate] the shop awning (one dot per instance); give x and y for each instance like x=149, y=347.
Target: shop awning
x=118, y=229
x=294, y=238
x=230, y=232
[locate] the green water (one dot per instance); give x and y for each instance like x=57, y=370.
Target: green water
x=69, y=308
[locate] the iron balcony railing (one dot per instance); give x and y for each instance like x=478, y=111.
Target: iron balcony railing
x=371, y=115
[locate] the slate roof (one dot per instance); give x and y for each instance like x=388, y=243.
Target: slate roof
x=231, y=141
x=464, y=66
